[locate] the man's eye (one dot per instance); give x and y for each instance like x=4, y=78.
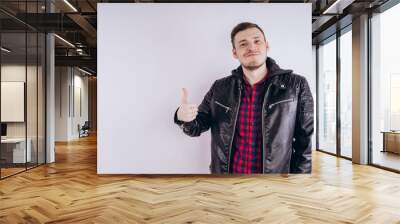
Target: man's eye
x=242, y=45
x=257, y=41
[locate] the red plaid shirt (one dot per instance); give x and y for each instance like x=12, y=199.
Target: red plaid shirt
x=247, y=145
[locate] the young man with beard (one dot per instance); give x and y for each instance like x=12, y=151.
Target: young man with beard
x=261, y=116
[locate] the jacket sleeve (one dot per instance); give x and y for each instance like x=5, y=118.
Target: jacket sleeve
x=301, y=158
x=202, y=122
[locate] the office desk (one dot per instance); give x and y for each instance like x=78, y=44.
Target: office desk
x=13, y=150
x=391, y=141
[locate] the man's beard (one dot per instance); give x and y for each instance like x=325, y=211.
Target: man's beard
x=253, y=67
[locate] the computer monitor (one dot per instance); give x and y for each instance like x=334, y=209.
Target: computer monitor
x=3, y=129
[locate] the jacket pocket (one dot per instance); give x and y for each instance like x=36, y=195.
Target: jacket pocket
x=279, y=102
x=226, y=108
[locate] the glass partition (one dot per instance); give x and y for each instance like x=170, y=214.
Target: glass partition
x=14, y=153
x=32, y=95
x=22, y=77
x=327, y=96
x=41, y=85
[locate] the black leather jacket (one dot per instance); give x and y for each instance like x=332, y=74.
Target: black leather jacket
x=287, y=122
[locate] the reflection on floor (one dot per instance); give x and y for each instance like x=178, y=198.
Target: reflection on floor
x=347, y=152
x=387, y=159
x=10, y=169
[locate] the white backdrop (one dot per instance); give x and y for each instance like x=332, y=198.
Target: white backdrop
x=148, y=52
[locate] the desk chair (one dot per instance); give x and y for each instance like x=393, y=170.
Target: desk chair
x=84, y=130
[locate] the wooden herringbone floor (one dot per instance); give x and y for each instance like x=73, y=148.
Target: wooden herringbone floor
x=70, y=191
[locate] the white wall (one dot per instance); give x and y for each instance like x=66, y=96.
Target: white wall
x=80, y=83
x=67, y=80
x=148, y=52
x=61, y=103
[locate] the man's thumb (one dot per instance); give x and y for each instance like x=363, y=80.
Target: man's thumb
x=184, y=99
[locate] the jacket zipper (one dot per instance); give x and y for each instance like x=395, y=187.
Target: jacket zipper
x=262, y=129
x=282, y=101
x=234, y=127
x=220, y=104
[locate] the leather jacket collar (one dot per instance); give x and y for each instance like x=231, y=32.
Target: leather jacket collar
x=273, y=69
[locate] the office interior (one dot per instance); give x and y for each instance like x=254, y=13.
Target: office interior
x=49, y=74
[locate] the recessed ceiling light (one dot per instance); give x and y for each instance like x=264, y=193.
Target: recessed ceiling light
x=70, y=5
x=337, y=7
x=335, y=4
x=84, y=71
x=64, y=40
x=5, y=50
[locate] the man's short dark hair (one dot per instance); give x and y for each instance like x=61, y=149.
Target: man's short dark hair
x=243, y=26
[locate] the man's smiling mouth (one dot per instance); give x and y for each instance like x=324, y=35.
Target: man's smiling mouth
x=252, y=54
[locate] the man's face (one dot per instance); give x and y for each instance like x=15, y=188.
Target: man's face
x=250, y=48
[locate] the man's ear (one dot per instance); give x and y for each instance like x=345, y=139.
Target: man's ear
x=234, y=53
x=267, y=45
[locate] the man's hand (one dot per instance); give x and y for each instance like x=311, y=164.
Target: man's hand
x=186, y=112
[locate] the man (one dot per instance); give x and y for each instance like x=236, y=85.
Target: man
x=261, y=116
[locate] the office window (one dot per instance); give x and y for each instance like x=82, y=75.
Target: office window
x=327, y=96
x=385, y=88
x=346, y=93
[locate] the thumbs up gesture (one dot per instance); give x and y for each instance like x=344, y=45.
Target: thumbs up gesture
x=186, y=112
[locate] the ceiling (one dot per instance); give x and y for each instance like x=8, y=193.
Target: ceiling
x=76, y=22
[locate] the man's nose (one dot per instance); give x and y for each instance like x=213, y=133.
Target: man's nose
x=252, y=47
